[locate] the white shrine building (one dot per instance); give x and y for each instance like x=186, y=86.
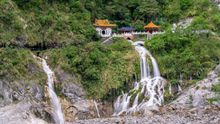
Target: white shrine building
x=104, y=28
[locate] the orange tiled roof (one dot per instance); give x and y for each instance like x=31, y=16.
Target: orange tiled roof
x=151, y=25
x=103, y=23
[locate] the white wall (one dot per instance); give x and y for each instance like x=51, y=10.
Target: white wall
x=108, y=32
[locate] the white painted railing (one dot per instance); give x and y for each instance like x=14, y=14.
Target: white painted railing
x=148, y=35
x=135, y=33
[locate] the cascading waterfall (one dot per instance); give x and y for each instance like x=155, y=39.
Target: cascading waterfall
x=146, y=93
x=135, y=101
x=57, y=111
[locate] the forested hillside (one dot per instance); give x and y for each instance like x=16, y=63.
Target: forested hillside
x=64, y=30
x=57, y=66
x=52, y=23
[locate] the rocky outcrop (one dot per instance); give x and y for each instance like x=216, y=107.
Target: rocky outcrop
x=25, y=86
x=76, y=105
x=20, y=91
x=191, y=106
x=70, y=85
x=19, y=114
x=198, y=94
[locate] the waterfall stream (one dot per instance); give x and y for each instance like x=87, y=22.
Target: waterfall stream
x=96, y=107
x=57, y=111
x=146, y=93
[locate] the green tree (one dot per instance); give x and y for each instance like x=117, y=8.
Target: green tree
x=147, y=9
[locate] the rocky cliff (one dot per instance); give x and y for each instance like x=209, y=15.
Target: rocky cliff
x=191, y=106
x=26, y=93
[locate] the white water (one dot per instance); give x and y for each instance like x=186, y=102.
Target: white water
x=170, y=89
x=97, y=109
x=151, y=86
x=179, y=88
x=57, y=111
x=135, y=101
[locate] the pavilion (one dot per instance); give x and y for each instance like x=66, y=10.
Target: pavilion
x=151, y=27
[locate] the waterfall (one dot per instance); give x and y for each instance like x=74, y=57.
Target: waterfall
x=151, y=86
x=170, y=89
x=96, y=107
x=135, y=101
x=154, y=63
x=180, y=82
x=179, y=88
x=57, y=111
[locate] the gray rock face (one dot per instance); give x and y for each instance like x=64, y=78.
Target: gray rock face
x=6, y=94
x=75, y=105
x=198, y=94
x=19, y=91
x=18, y=114
x=73, y=91
x=79, y=107
x=70, y=86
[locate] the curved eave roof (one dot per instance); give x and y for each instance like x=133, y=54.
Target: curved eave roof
x=151, y=25
x=104, y=25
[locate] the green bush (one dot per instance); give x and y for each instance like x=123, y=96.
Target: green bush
x=184, y=53
x=102, y=69
x=16, y=65
x=216, y=88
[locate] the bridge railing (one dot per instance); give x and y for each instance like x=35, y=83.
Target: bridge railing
x=135, y=33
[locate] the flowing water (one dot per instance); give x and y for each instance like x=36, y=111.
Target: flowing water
x=179, y=88
x=96, y=107
x=146, y=93
x=57, y=111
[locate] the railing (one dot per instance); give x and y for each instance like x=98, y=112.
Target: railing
x=149, y=35
x=105, y=41
x=135, y=33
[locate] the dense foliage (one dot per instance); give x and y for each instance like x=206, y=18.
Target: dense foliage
x=19, y=65
x=190, y=53
x=102, y=69
x=40, y=24
x=184, y=53
x=52, y=23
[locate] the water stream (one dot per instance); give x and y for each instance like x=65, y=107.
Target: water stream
x=148, y=91
x=57, y=111
x=96, y=107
